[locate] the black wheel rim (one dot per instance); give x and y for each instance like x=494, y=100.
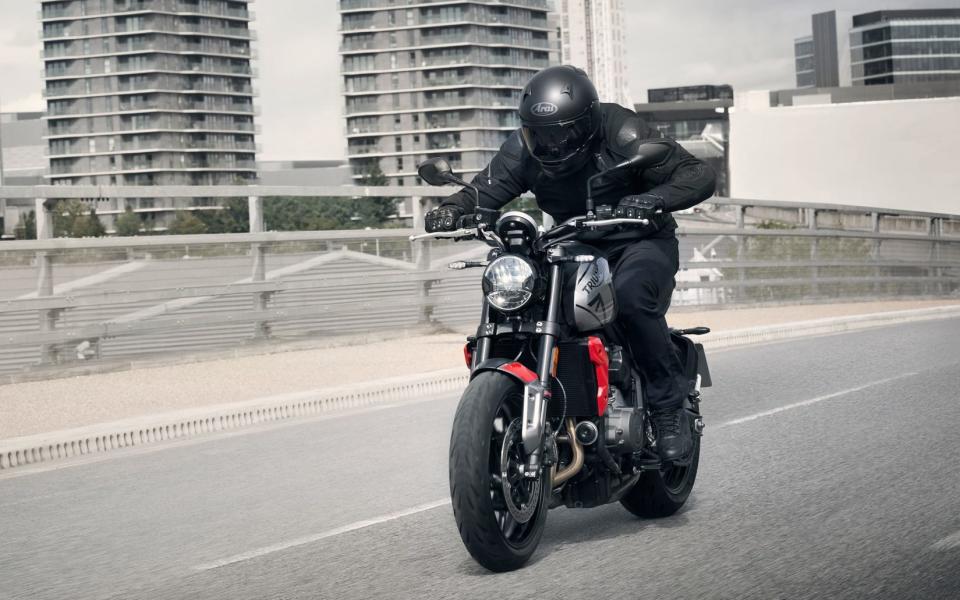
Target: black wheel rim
x=514, y=532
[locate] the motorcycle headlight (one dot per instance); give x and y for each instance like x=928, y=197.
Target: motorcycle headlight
x=509, y=282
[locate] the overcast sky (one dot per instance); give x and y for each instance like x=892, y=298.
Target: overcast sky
x=746, y=43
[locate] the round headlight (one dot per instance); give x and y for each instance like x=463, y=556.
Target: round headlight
x=509, y=282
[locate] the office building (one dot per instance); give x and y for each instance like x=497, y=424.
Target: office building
x=435, y=79
x=23, y=156
x=23, y=161
x=821, y=59
x=149, y=92
x=864, y=93
x=591, y=37
x=697, y=117
x=690, y=93
x=906, y=46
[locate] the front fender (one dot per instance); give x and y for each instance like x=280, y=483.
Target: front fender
x=512, y=368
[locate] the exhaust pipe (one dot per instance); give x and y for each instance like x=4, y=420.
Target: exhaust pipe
x=561, y=476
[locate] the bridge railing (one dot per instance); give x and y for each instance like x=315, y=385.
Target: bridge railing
x=76, y=301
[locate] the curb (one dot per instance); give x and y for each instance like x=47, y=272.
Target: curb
x=140, y=431
x=829, y=325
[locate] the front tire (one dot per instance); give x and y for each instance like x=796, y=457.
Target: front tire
x=484, y=438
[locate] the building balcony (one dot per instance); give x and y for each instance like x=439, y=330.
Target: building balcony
x=366, y=5
x=163, y=145
x=160, y=164
x=453, y=60
x=53, y=110
x=73, y=11
x=84, y=127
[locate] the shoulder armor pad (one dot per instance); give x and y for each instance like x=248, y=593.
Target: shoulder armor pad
x=513, y=147
x=625, y=130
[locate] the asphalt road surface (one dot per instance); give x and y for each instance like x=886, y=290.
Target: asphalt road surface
x=829, y=470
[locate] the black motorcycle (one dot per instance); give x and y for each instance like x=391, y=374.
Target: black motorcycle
x=555, y=412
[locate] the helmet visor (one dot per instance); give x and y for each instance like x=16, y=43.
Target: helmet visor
x=557, y=142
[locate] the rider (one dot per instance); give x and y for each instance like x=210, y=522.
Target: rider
x=567, y=135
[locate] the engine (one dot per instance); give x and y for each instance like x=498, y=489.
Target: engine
x=624, y=424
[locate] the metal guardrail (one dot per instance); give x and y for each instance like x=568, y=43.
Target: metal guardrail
x=80, y=300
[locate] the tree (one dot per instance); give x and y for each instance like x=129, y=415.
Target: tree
x=186, y=223
x=88, y=225
x=72, y=219
x=65, y=215
x=234, y=217
x=129, y=223
x=26, y=228
x=374, y=212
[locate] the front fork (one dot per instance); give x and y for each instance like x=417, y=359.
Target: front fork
x=536, y=394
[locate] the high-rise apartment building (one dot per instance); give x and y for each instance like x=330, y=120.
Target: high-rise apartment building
x=905, y=46
x=438, y=78
x=591, y=37
x=149, y=92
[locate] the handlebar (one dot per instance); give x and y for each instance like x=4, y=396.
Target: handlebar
x=580, y=222
x=457, y=233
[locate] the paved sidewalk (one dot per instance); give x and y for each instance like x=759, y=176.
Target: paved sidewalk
x=41, y=406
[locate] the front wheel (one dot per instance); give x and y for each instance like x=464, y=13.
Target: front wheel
x=500, y=513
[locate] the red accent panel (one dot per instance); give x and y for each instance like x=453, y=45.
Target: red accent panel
x=601, y=363
x=467, y=355
x=518, y=370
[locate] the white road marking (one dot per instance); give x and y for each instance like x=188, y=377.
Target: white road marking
x=781, y=409
x=952, y=540
x=948, y=543
x=320, y=536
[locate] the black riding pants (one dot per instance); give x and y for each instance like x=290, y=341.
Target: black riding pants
x=643, y=277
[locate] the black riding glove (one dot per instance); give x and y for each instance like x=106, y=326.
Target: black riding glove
x=642, y=206
x=444, y=218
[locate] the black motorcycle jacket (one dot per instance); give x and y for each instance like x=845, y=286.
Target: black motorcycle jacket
x=679, y=182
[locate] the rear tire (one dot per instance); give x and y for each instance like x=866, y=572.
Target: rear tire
x=491, y=401
x=661, y=493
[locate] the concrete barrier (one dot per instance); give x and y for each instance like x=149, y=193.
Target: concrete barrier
x=151, y=429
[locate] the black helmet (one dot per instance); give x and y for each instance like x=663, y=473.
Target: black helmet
x=561, y=116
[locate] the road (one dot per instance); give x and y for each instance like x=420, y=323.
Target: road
x=829, y=470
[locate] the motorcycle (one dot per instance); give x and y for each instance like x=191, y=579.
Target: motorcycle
x=555, y=412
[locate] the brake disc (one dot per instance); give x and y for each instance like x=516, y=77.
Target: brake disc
x=520, y=493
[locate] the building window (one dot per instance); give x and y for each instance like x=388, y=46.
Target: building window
x=398, y=144
x=399, y=163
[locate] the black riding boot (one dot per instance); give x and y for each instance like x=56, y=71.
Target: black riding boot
x=674, y=440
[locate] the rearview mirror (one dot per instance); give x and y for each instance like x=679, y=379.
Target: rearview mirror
x=647, y=155
x=436, y=171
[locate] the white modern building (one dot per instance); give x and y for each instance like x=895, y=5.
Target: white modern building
x=591, y=37
x=897, y=154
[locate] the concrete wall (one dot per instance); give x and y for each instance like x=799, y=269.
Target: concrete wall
x=899, y=154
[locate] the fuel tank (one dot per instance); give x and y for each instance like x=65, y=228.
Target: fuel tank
x=589, y=300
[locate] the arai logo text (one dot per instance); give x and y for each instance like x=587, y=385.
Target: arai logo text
x=543, y=108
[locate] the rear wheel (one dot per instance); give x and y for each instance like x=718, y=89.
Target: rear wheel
x=662, y=493
x=500, y=513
